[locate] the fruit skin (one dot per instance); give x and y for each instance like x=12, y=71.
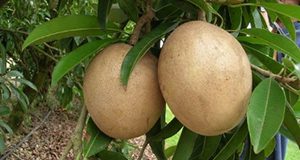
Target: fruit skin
x=205, y=78
x=119, y=112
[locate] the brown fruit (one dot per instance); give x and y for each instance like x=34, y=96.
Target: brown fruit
x=119, y=112
x=205, y=78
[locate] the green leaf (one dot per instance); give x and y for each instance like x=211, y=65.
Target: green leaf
x=258, y=156
x=6, y=126
x=210, y=146
x=183, y=5
x=2, y=59
x=5, y=92
x=236, y=18
x=170, y=151
x=141, y=48
x=270, y=148
x=14, y=73
x=110, y=155
x=2, y=145
x=291, y=124
x=22, y=98
x=185, y=145
x=289, y=25
x=130, y=8
x=276, y=41
x=233, y=144
x=296, y=108
x=157, y=146
x=265, y=113
x=167, y=12
x=284, y=9
x=104, y=7
x=201, y=4
x=171, y=129
x=4, y=110
x=66, y=26
x=98, y=140
x=75, y=57
x=270, y=63
x=26, y=82
x=288, y=10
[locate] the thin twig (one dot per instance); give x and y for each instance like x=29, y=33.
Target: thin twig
x=279, y=78
x=143, y=150
x=45, y=53
x=147, y=17
x=26, y=137
x=76, y=139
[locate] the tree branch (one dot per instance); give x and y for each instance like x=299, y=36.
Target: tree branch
x=76, y=139
x=279, y=78
x=147, y=17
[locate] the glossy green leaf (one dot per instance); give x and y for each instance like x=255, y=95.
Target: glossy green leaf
x=141, y=48
x=185, y=145
x=291, y=124
x=130, y=8
x=284, y=9
x=169, y=152
x=27, y=83
x=171, y=129
x=6, y=126
x=256, y=19
x=288, y=10
x=289, y=25
x=75, y=57
x=66, y=26
x=270, y=63
x=276, y=41
x=265, y=113
x=111, y=155
x=98, y=141
x=4, y=110
x=104, y=7
x=210, y=146
x=233, y=144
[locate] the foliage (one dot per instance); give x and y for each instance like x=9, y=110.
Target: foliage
x=78, y=32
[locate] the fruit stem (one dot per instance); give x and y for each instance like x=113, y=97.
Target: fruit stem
x=144, y=19
x=201, y=15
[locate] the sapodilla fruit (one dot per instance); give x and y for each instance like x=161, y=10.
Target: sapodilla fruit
x=119, y=112
x=205, y=78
